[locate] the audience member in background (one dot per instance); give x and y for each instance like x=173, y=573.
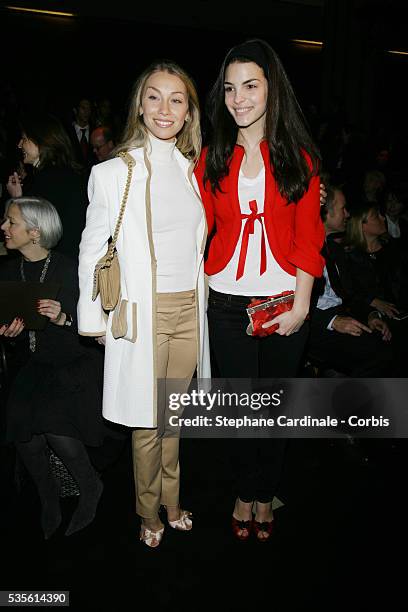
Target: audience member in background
x=102, y=143
x=56, y=391
x=393, y=208
x=377, y=261
x=105, y=116
x=347, y=334
x=374, y=183
x=379, y=266
x=56, y=175
x=3, y=143
x=80, y=132
x=382, y=159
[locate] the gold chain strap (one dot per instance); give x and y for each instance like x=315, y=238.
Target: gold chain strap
x=130, y=162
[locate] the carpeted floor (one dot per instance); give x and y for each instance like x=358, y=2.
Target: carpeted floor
x=339, y=542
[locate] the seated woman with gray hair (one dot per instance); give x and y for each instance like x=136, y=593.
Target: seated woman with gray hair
x=55, y=396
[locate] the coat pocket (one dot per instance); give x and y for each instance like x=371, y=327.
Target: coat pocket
x=124, y=321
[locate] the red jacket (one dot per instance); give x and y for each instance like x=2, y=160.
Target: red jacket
x=295, y=231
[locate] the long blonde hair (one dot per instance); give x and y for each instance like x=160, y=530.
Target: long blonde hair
x=135, y=133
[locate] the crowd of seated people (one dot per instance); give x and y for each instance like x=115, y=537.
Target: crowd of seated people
x=347, y=334
x=357, y=320
x=51, y=379
x=365, y=278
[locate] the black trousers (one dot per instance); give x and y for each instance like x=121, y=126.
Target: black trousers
x=257, y=462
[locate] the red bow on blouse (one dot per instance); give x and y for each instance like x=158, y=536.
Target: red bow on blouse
x=249, y=229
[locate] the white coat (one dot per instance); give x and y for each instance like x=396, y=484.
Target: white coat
x=130, y=384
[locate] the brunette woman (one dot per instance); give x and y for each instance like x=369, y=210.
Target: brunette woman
x=260, y=187
x=56, y=176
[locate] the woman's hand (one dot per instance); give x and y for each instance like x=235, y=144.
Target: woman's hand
x=52, y=310
x=292, y=320
x=289, y=322
x=14, y=329
x=14, y=186
x=323, y=194
x=101, y=340
x=384, y=307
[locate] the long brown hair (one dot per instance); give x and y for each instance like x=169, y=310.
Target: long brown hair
x=53, y=142
x=286, y=129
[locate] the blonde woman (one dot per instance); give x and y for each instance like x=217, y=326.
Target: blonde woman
x=160, y=249
x=378, y=264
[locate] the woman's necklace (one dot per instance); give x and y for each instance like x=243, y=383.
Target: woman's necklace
x=31, y=333
x=375, y=247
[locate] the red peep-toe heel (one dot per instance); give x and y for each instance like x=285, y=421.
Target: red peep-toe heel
x=241, y=529
x=265, y=527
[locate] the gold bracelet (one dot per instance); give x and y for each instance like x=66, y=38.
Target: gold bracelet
x=59, y=317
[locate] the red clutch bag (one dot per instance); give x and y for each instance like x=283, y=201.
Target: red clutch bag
x=261, y=311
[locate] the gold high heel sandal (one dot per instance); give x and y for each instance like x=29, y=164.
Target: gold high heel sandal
x=151, y=538
x=183, y=523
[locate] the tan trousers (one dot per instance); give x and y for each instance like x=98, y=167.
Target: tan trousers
x=156, y=457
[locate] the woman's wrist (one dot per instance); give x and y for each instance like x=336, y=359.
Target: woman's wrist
x=303, y=291
x=60, y=320
x=301, y=308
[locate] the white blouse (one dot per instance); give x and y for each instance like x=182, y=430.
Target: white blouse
x=253, y=279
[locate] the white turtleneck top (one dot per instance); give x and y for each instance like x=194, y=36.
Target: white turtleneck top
x=176, y=215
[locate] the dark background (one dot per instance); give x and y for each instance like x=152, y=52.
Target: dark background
x=48, y=61
x=342, y=533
